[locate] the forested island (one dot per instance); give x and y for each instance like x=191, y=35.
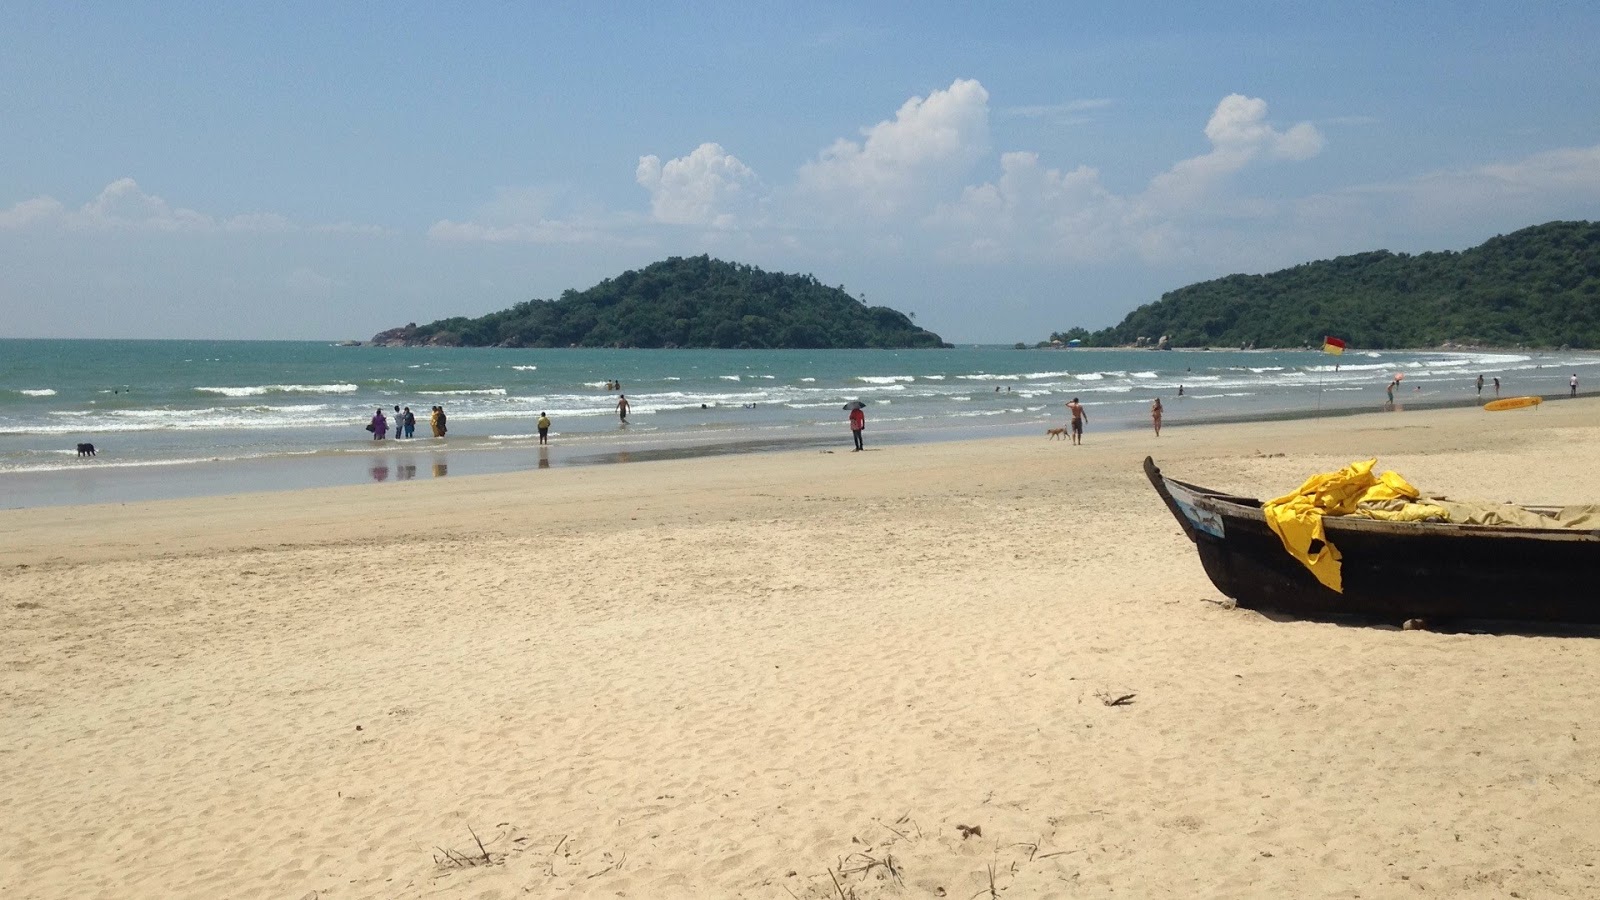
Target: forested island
x=683, y=302
x=1538, y=287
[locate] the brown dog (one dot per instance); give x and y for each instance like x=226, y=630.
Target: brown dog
x=1056, y=433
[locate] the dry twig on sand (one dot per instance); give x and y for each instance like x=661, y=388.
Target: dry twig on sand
x=1107, y=698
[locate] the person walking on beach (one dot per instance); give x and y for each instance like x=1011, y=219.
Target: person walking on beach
x=544, y=428
x=1480, y=385
x=1079, y=416
x=622, y=408
x=858, y=424
x=411, y=423
x=1497, y=386
x=1574, y=384
x=1155, y=415
x=379, y=426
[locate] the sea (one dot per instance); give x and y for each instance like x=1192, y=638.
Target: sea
x=192, y=418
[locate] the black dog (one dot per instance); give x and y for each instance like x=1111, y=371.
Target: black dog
x=85, y=449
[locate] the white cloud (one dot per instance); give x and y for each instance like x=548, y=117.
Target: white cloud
x=1553, y=183
x=122, y=206
x=1071, y=111
x=707, y=187
x=1239, y=135
x=904, y=162
x=1036, y=212
x=543, y=232
x=30, y=212
x=1067, y=215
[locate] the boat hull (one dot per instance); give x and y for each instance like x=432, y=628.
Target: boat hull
x=1392, y=571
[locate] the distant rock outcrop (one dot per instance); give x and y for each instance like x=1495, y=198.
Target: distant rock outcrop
x=409, y=335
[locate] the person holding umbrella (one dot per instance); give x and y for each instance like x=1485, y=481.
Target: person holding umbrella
x=858, y=421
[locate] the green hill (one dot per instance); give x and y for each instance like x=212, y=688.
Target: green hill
x=1538, y=287
x=694, y=302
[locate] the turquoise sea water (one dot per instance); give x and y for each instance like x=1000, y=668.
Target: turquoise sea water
x=177, y=418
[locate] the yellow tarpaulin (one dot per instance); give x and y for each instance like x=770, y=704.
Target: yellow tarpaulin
x=1297, y=518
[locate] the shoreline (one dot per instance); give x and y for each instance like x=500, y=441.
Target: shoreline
x=94, y=483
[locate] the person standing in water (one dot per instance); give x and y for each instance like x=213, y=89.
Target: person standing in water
x=1155, y=415
x=544, y=428
x=622, y=408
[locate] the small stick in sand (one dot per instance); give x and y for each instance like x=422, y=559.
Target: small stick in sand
x=1108, y=700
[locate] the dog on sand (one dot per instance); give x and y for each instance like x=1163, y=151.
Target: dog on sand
x=1056, y=433
x=85, y=449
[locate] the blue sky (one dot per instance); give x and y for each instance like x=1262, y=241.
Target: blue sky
x=328, y=170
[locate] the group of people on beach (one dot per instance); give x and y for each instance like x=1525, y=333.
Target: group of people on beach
x=404, y=423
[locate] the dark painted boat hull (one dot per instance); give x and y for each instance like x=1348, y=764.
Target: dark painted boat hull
x=1392, y=571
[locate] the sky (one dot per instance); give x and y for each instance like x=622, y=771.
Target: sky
x=328, y=170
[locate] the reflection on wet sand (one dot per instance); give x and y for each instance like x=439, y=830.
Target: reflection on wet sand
x=544, y=457
x=441, y=467
x=380, y=471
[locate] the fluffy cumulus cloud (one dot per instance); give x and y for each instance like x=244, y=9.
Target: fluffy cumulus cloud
x=1239, y=135
x=708, y=187
x=1036, y=212
x=900, y=162
x=1067, y=214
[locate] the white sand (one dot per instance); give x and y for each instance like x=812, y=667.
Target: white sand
x=751, y=676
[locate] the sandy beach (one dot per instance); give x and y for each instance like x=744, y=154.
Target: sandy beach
x=804, y=674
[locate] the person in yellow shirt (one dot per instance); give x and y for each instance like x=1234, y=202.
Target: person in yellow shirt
x=544, y=428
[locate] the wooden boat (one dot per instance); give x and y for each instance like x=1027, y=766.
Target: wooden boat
x=1392, y=571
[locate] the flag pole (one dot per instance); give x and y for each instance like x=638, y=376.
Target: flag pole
x=1331, y=346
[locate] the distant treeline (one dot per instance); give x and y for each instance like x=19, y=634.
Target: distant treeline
x=693, y=302
x=1538, y=287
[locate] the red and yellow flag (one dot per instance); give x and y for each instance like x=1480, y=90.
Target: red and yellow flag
x=1332, y=345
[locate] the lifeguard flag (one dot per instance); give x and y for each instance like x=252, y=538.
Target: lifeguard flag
x=1332, y=345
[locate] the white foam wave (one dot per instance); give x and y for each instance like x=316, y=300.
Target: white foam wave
x=473, y=392
x=884, y=379
x=37, y=392
x=263, y=389
x=525, y=368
